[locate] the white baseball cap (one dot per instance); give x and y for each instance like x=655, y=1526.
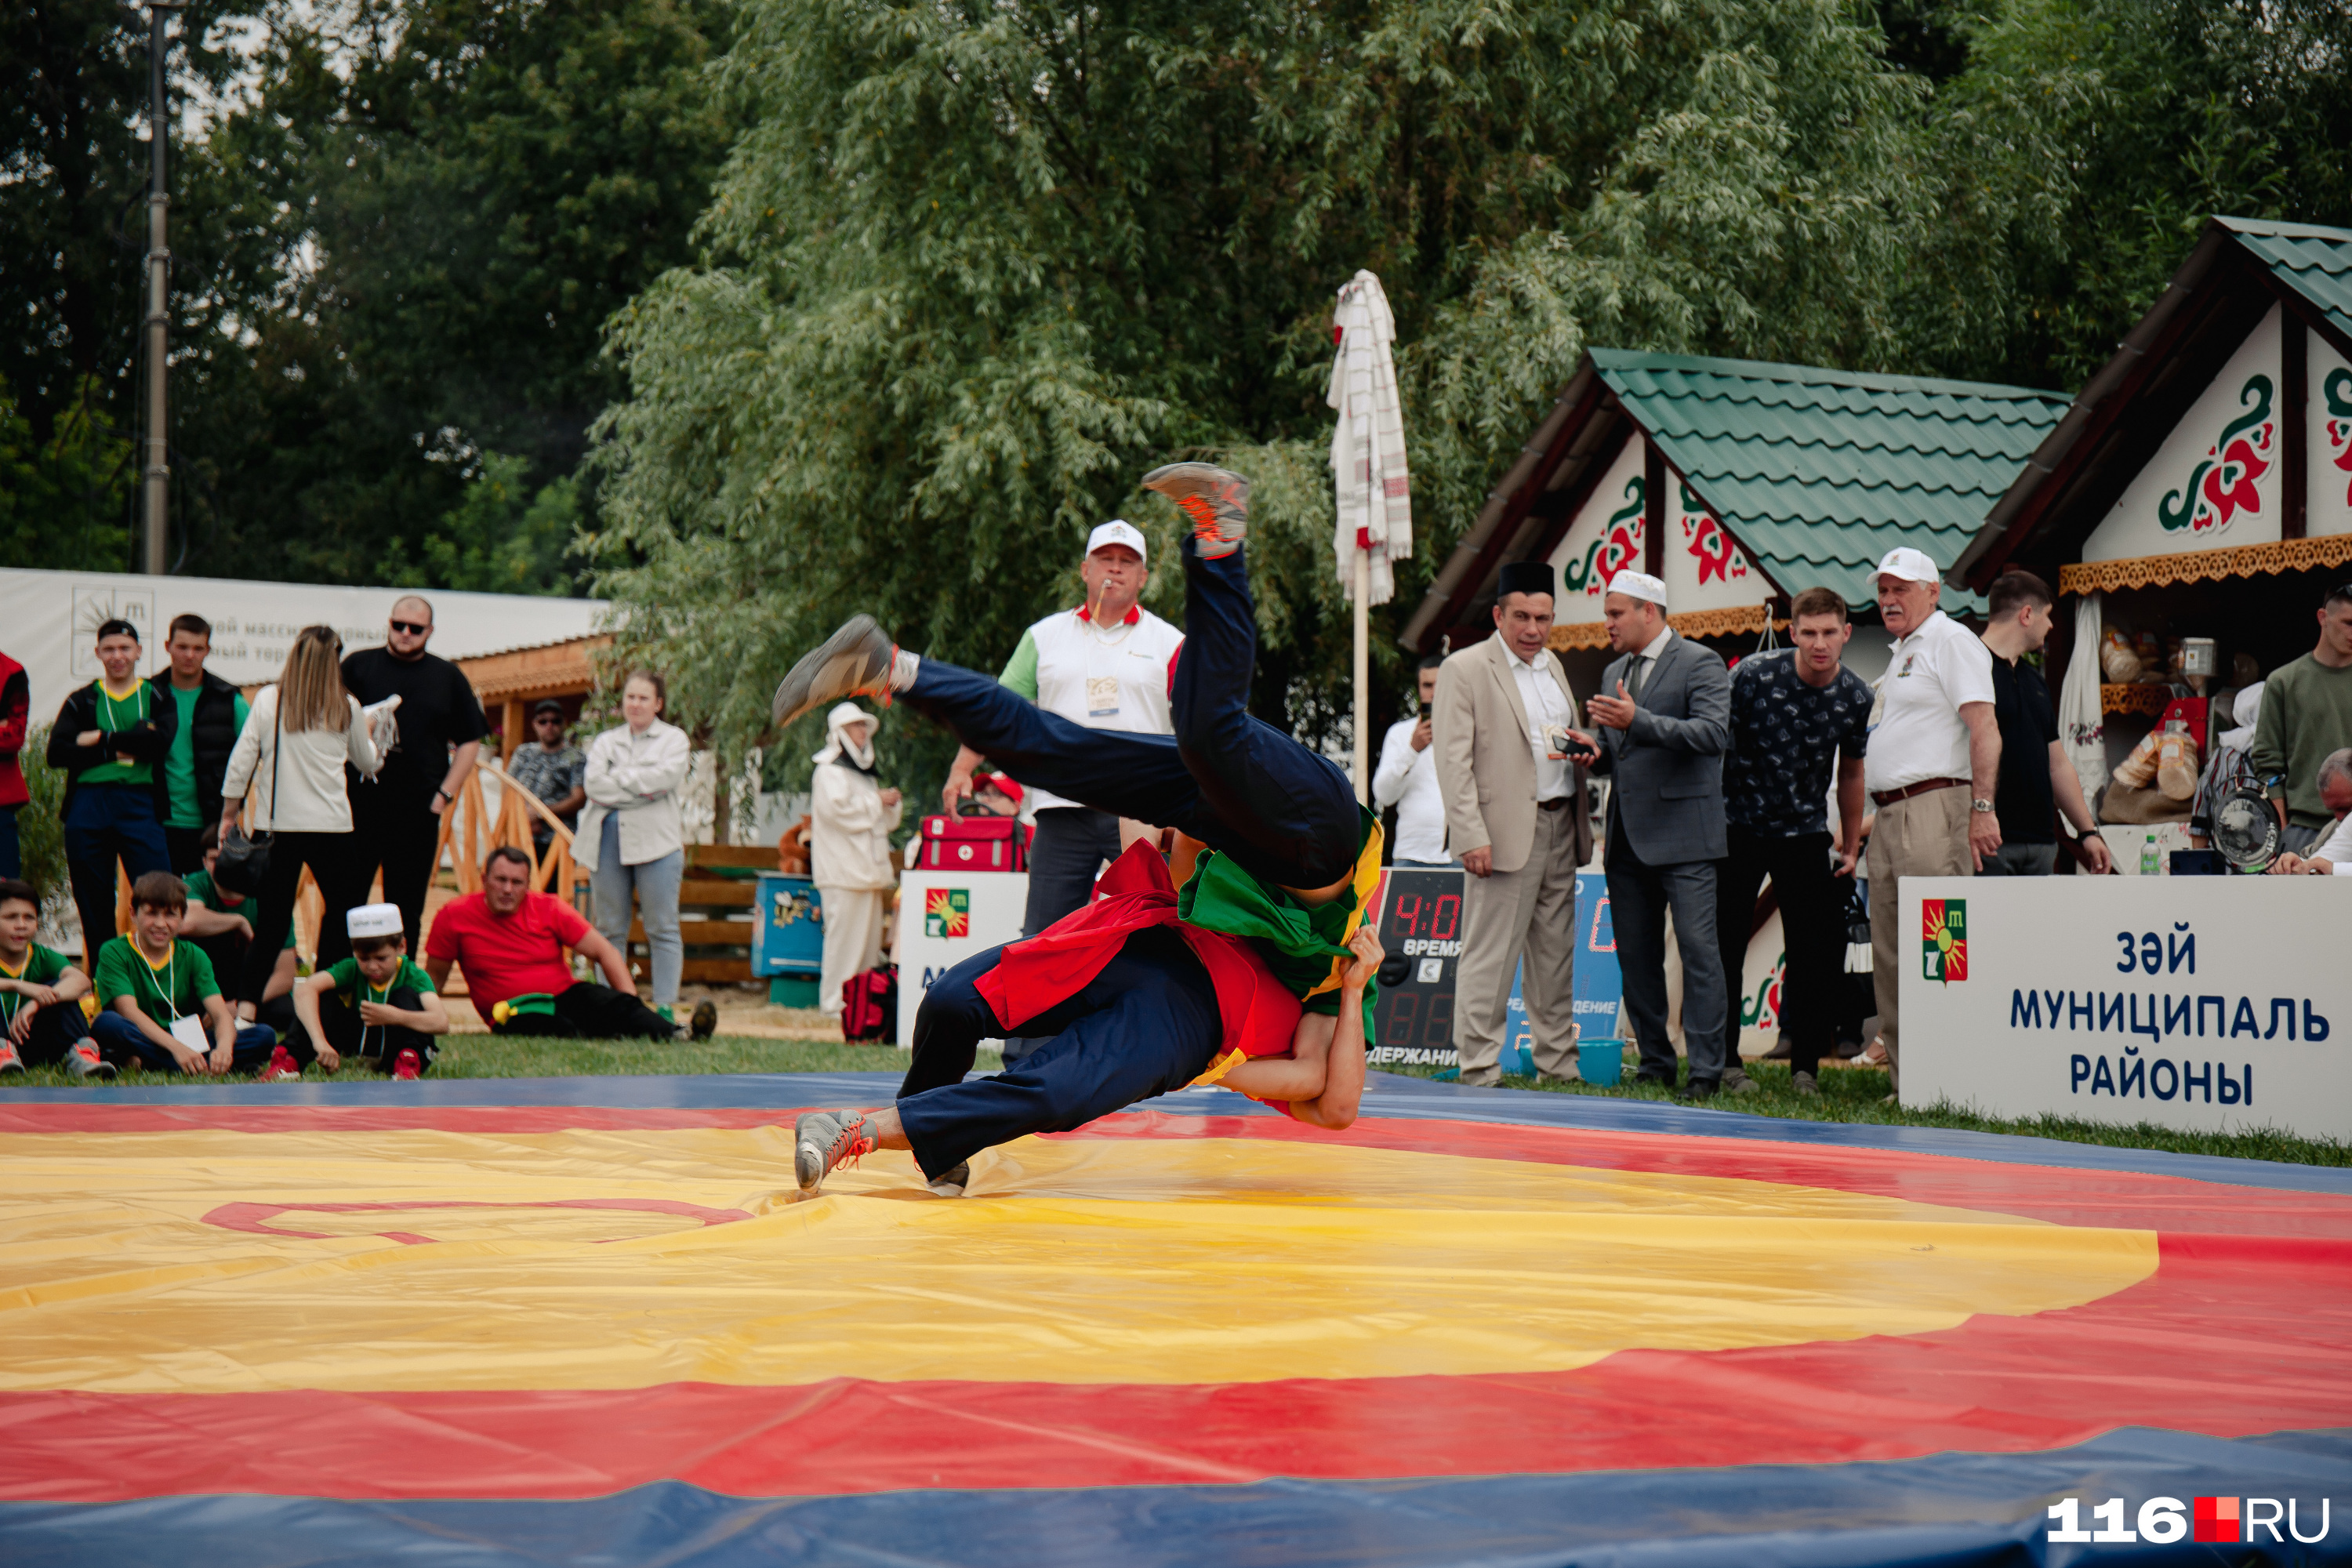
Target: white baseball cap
x=373, y=919
x=1910, y=566
x=1118, y=530
x=1639, y=586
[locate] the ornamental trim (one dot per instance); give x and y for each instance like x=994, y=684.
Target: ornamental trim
x=2202, y=565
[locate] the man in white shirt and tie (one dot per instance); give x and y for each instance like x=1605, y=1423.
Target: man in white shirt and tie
x=1407, y=779
x=1514, y=808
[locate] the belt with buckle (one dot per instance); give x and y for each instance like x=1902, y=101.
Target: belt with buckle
x=1559, y=805
x=1889, y=797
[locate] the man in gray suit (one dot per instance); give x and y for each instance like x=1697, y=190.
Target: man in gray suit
x=1665, y=718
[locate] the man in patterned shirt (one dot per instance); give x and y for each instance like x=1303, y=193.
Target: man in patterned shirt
x=553, y=769
x=1794, y=713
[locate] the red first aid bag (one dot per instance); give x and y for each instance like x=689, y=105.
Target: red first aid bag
x=973, y=844
x=869, y=1004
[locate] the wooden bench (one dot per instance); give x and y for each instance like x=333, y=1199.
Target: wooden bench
x=715, y=904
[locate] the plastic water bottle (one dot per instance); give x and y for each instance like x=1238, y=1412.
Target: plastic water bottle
x=2150, y=865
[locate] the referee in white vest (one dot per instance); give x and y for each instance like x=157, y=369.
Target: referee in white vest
x=1103, y=665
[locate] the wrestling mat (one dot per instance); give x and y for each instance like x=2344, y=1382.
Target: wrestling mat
x=585, y=1320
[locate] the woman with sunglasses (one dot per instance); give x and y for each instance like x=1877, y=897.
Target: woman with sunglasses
x=291, y=755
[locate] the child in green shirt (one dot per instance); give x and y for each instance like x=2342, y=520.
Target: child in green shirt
x=163, y=1008
x=385, y=1010
x=40, y=994
x=222, y=922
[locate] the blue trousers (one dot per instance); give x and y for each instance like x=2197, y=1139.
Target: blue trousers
x=1284, y=814
x=1146, y=1024
x=121, y=1042
x=105, y=822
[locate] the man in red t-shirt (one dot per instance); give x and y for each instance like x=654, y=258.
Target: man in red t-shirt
x=511, y=941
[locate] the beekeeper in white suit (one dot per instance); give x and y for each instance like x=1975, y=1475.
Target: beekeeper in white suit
x=851, y=816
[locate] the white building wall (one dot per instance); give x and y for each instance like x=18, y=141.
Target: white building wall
x=2328, y=507
x=1606, y=537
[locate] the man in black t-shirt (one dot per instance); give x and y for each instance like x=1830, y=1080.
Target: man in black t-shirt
x=2037, y=780
x=397, y=815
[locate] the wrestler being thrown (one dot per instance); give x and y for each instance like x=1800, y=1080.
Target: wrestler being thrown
x=1258, y=974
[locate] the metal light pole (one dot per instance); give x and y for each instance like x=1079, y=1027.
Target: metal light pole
x=157, y=508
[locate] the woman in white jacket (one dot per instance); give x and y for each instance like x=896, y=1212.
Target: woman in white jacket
x=631, y=838
x=851, y=816
x=290, y=753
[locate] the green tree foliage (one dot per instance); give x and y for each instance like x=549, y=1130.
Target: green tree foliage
x=974, y=267
x=61, y=500
x=502, y=539
x=394, y=252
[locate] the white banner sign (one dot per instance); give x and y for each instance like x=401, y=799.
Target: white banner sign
x=50, y=621
x=944, y=918
x=2203, y=1003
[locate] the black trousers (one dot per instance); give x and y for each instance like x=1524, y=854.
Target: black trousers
x=333, y=859
x=587, y=1011
x=1146, y=1024
x=53, y=1034
x=377, y=1044
x=401, y=840
x=187, y=847
x=1813, y=931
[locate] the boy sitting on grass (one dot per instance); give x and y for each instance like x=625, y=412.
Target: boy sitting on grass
x=162, y=1005
x=386, y=1010
x=41, y=994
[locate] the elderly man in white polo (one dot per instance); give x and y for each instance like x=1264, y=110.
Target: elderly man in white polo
x=1102, y=664
x=1932, y=769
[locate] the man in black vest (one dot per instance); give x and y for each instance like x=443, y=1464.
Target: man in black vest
x=211, y=717
x=397, y=815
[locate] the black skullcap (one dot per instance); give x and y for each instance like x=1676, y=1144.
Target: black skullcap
x=117, y=629
x=1525, y=577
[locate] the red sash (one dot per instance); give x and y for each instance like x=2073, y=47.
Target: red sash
x=1259, y=1016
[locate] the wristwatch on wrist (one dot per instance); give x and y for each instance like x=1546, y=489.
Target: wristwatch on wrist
x=1980, y=806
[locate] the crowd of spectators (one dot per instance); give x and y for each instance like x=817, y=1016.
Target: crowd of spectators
x=213, y=806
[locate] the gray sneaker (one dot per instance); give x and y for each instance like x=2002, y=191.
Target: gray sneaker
x=1214, y=500
x=1737, y=1081
x=853, y=662
x=824, y=1140
x=83, y=1061
x=1804, y=1086
x=950, y=1183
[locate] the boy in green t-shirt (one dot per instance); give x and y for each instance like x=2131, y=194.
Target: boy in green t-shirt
x=163, y=1008
x=385, y=1011
x=40, y=994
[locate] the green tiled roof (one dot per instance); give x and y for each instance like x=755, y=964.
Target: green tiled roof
x=1817, y=473
x=2316, y=263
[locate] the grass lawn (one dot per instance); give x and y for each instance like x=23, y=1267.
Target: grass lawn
x=1859, y=1094
x=1848, y=1093
x=486, y=1055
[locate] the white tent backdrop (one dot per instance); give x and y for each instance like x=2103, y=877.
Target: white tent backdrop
x=49, y=620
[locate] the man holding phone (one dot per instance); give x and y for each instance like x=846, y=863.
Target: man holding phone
x=1502, y=719
x=1407, y=779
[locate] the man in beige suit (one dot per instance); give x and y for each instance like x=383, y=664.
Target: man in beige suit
x=1514, y=811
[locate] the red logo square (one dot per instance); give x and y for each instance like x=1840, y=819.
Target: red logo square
x=2217, y=1519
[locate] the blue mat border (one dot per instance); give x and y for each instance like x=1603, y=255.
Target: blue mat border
x=1389, y=1095
x=1946, y=1510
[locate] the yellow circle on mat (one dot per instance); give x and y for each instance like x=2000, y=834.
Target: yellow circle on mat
x=1080, y=1260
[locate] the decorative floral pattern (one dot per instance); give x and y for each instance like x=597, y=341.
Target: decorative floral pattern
x=1619, y=546
x=2222, y=483
x=2339, y=392
x=1705, y=539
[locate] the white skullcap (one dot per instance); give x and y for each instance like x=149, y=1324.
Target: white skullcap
x=1911, y=565
x=1639, y=586
x=1118, y=530
x=373, y=919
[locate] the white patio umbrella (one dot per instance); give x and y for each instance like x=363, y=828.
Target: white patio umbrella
x=1367, y=470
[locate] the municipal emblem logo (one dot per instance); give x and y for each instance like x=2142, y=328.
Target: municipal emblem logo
x=1944, y=939
x=947, y=912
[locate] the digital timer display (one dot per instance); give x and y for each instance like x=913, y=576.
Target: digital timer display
x=1421, y=925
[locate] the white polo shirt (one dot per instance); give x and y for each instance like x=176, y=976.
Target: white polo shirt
x=1919, y=734
x=1106, y=677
